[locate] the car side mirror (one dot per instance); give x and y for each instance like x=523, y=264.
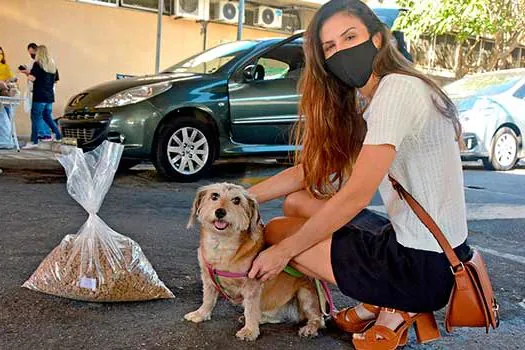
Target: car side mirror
x=248, y=73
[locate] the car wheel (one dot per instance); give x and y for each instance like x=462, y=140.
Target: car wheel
x=184, y=150
x=504, y=153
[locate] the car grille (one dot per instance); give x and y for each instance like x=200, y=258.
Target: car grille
x=86, y=115
x=83, y=135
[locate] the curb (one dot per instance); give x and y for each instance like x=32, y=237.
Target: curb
x=42, y=158
x=33, y=164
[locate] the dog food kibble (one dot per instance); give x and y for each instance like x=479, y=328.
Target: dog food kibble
x=97, y=263
x=118, y=271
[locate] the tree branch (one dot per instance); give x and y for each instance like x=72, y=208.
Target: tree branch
x=511, y=46
x=473, y=47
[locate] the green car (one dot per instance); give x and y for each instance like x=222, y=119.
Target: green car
x=236, y=99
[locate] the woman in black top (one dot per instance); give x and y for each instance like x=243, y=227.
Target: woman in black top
x=44, y=74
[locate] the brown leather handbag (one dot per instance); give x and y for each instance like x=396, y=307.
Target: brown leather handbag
x=472, y=302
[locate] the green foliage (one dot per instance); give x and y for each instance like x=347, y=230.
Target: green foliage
x=465, y=18
x=501, y=20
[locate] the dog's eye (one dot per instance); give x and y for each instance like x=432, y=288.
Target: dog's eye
x=236, y=200
x=214, y=196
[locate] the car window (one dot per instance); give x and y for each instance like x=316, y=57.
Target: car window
x=212, y=60
x=282, y=62
x=273, y=69
x=520, y=93
x=482, y=85
x=288, y=61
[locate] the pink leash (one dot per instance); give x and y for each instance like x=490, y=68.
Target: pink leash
x=326, y=294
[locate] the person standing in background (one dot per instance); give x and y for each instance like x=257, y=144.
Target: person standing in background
x=44, y=74
x=43, y=130
x=5, y=74
x=5, y=70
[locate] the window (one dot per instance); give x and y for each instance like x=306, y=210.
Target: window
x=272, y=68
x=152, y=5
x=488, y=84
x=520, y=93
x=284, y=62
x=212, y=60
x=101, y=2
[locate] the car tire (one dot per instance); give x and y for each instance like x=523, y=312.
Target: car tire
x=185, y=150
x=504, y=151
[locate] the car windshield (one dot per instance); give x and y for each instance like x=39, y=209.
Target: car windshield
x=212, y=60
x=482, y=85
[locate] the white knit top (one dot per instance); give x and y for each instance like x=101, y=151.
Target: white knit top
x=427, y=162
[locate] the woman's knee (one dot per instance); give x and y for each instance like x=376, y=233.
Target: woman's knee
x=295, y=204
x=301, y=204
x=290, y=205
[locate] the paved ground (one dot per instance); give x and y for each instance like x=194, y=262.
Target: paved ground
x=37, y=212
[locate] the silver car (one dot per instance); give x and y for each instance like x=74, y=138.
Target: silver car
x=492, y=113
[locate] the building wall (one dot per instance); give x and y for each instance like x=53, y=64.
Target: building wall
x=92, y=43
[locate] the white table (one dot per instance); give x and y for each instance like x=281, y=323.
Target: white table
x=12, y=102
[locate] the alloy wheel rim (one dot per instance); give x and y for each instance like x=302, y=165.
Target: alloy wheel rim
x=505, y=150
x=188, y=150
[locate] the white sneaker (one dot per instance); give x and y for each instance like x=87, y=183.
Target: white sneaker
x=30, y=145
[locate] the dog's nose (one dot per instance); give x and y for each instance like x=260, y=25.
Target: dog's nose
x=220, y=213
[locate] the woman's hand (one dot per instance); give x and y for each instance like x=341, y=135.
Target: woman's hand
x=269, y=263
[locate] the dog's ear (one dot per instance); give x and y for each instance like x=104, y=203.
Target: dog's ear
x=255, y=217
x=201, y=192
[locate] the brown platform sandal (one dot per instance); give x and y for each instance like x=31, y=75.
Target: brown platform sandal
x=383, y=338
x=347, y=319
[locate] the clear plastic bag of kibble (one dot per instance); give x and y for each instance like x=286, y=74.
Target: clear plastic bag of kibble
x=97, y=263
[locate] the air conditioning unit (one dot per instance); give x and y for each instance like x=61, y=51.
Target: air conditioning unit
x=226, y=11
x=268, y=17
x=291, y=22
x=195, y=9
x=295, y=20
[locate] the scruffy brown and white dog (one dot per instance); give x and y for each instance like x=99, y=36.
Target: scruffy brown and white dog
x=231, y=237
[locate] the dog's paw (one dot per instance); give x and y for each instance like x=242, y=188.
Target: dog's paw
x=248, y=334
x=196, y=317
x=310, y=330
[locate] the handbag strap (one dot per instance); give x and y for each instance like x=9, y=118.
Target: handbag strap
x=427, y=220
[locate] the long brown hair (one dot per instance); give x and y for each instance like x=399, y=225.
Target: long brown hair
x=332, y=129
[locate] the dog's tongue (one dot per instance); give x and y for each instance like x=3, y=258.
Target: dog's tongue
x=221, y=225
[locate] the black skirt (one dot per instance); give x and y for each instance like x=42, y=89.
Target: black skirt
x=370, y=266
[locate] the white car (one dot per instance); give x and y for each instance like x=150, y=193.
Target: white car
x=492, y=113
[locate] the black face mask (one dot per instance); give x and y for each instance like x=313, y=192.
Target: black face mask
x=33, y=55
x=353, y=66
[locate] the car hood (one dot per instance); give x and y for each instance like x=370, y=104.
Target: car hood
x=91, y=97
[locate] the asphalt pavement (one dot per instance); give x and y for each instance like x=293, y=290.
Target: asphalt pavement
x=37, y=212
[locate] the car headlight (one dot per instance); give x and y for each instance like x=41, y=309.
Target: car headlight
x=134, y=95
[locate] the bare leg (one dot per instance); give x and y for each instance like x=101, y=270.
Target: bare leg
x=314, y=262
